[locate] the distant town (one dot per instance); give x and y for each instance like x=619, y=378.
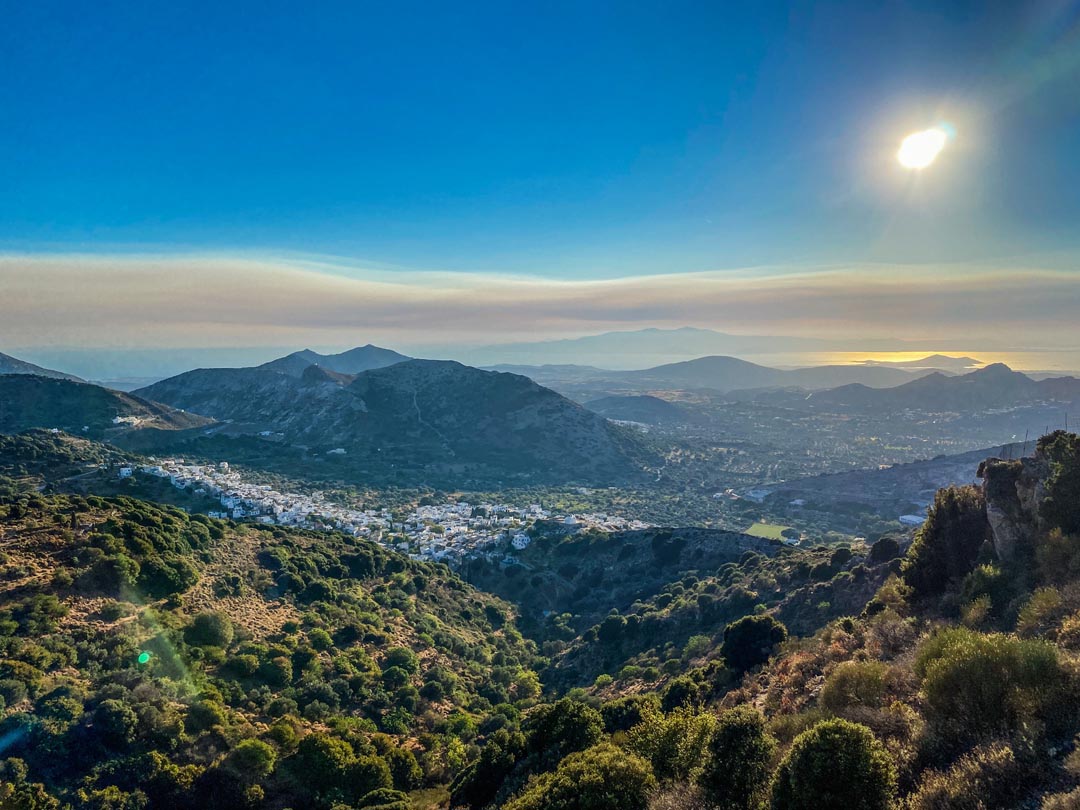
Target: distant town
x=448, y=532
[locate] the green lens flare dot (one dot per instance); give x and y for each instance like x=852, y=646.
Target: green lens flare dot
x=144, y=658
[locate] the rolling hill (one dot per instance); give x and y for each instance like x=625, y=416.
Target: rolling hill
x=420, y=414
x=13, y=365
x=995, y=386
x=713, y=373
x=28, y=401
x=643, y=408
x=353, y=361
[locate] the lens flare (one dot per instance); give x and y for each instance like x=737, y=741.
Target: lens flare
x=919, y=149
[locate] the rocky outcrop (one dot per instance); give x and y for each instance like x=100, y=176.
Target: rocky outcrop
x=1014, y=490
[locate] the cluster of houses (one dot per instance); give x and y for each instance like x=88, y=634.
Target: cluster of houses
x=447, y=532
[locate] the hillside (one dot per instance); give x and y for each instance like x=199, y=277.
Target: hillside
x=994, y=386
x=28, y=401
x=712, y=373
x=730, y=374
x=152, y=657
x=644, y=408
x=628, y=603
x=954, y=687
x=353, y=361
x=13, y=365
x=435, y=416
x=190, y=662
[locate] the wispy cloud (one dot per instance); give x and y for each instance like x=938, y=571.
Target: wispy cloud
x=161, y=301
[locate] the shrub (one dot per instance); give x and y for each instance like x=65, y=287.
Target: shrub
x=209, y=629
x=674, y=743
x=736, y=773
x=253, y=759
x=1061, y=508
x=988, y=778
x=948, y=543
x=622, y=714
x=680, y=692
x=835, y=764
x=557, y=729
x=982, y=687
x=854, y=683
x=600, y=778
x=885, y=549
x=751, y=640
x=1040, y=612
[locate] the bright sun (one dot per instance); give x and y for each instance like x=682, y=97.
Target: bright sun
x=918, y=150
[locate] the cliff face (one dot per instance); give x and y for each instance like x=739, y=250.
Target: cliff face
x=1015, y=490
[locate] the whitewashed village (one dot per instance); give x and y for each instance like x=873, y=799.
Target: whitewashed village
x=448, y=532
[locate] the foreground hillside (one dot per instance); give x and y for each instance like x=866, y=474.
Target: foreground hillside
x=956, y=686
x=151, y=658
x=434, y=418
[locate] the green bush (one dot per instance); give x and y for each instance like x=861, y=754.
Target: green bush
x=600, y=778
x=735, y=774
x=674, y=743
x=253, y=759
x=948, y=543
x=854, y=683
x=988, y=778
x=750, y=641
x=982, y=687
x=1061, y=507
x=835, y=764
x=209, y=629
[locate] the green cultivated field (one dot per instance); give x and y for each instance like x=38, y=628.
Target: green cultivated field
x=772, y=531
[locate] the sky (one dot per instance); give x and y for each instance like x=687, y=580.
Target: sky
x=287, y=174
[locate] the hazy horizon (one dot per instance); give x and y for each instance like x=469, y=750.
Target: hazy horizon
x=184, y=181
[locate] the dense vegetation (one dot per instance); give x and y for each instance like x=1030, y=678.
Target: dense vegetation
x=150, y=658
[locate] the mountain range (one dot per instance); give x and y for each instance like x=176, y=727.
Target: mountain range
x=13, y=365
x=29, y=401
x=353, y=361
x=994, y=386
x=713, y=373
x=432, y=414
x=633, y=349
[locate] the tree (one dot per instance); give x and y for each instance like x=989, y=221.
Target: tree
x=622, y=714
x=674, y=743
x=835, y=764
x=557, y=729
x=1062, y=505
x=751, y=640
x=947, y=546
x=600, y=778
x=114, y=723
x=736, y=772
x=210, y=629
x=321, y=760
x=253, y=759
x=477, y=785
x=682, y=691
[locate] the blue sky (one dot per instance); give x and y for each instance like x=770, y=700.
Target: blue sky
x=576, y=139
x=564, y=141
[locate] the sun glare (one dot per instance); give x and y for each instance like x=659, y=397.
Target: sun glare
x=919, y=149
